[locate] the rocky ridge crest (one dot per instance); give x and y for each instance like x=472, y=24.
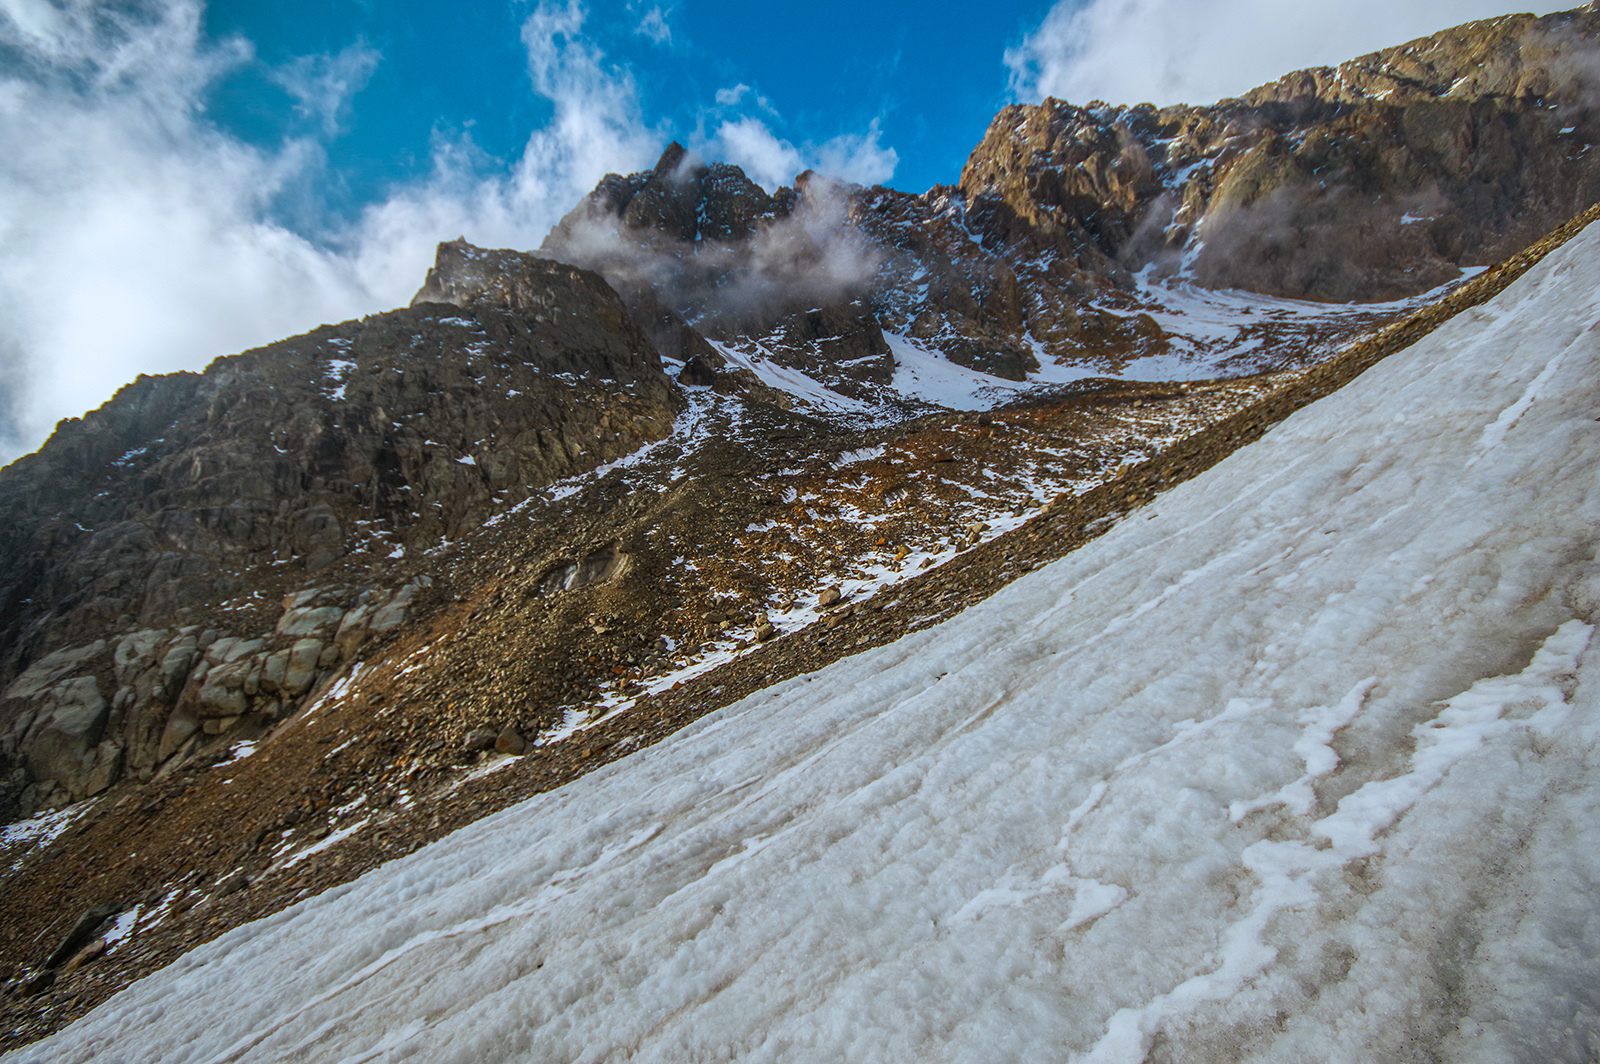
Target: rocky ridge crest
x=1373, y=180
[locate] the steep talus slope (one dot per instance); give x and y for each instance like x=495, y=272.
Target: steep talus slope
x=1297, y=762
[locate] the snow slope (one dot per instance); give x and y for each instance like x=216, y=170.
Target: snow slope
x=1297, y=764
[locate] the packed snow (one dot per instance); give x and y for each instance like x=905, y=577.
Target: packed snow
x=1297, y=763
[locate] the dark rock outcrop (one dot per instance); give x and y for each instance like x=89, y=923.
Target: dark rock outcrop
x=149, y=543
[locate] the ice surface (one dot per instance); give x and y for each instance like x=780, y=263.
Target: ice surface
x=1297, y=763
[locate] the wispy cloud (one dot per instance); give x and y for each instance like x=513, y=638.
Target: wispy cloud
x=324, y=85
x=809, y=257
x=654, y=26
x=136, y=237
x=1199, y=51
x=770, y=160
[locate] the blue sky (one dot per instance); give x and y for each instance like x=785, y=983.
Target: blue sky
x=183, y=179
x=931, y=75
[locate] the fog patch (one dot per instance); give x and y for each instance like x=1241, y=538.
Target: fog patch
x=781, y=255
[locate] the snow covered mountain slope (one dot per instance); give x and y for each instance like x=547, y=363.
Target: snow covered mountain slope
x=1297, y=763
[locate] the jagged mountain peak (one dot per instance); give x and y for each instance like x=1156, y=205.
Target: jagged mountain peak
x=682, y=199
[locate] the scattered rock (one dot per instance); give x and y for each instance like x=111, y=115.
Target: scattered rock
x=82, y=932
x=84, y=956
x=510, y=741
x=308, y=621
x=829, y=596
x=302, y=667
x=68, y=719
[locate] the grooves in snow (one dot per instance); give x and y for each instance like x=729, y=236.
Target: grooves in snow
x=1298, y=763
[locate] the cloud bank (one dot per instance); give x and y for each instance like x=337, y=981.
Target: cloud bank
x=138, y=237
x=1200, y=51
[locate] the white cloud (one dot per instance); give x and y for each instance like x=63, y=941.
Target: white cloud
x=135, y=237
x=323, y=85
x=748, y=144
x=859, y=158
x=654, y=26
x=771, y=161
x=1199, y=51
x=732, y=95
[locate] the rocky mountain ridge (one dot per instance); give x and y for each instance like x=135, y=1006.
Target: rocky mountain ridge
x=1070, y=227
x=1372, y=180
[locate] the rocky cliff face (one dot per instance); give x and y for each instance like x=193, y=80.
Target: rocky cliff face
x=1373, y=180
x=155, y=551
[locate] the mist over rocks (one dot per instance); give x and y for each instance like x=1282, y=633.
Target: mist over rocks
x=709, y=243
x=698, y=244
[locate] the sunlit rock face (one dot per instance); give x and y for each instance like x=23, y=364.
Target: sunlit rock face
x=1373, y=180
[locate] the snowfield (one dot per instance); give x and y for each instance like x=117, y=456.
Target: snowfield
x=1298, y=763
